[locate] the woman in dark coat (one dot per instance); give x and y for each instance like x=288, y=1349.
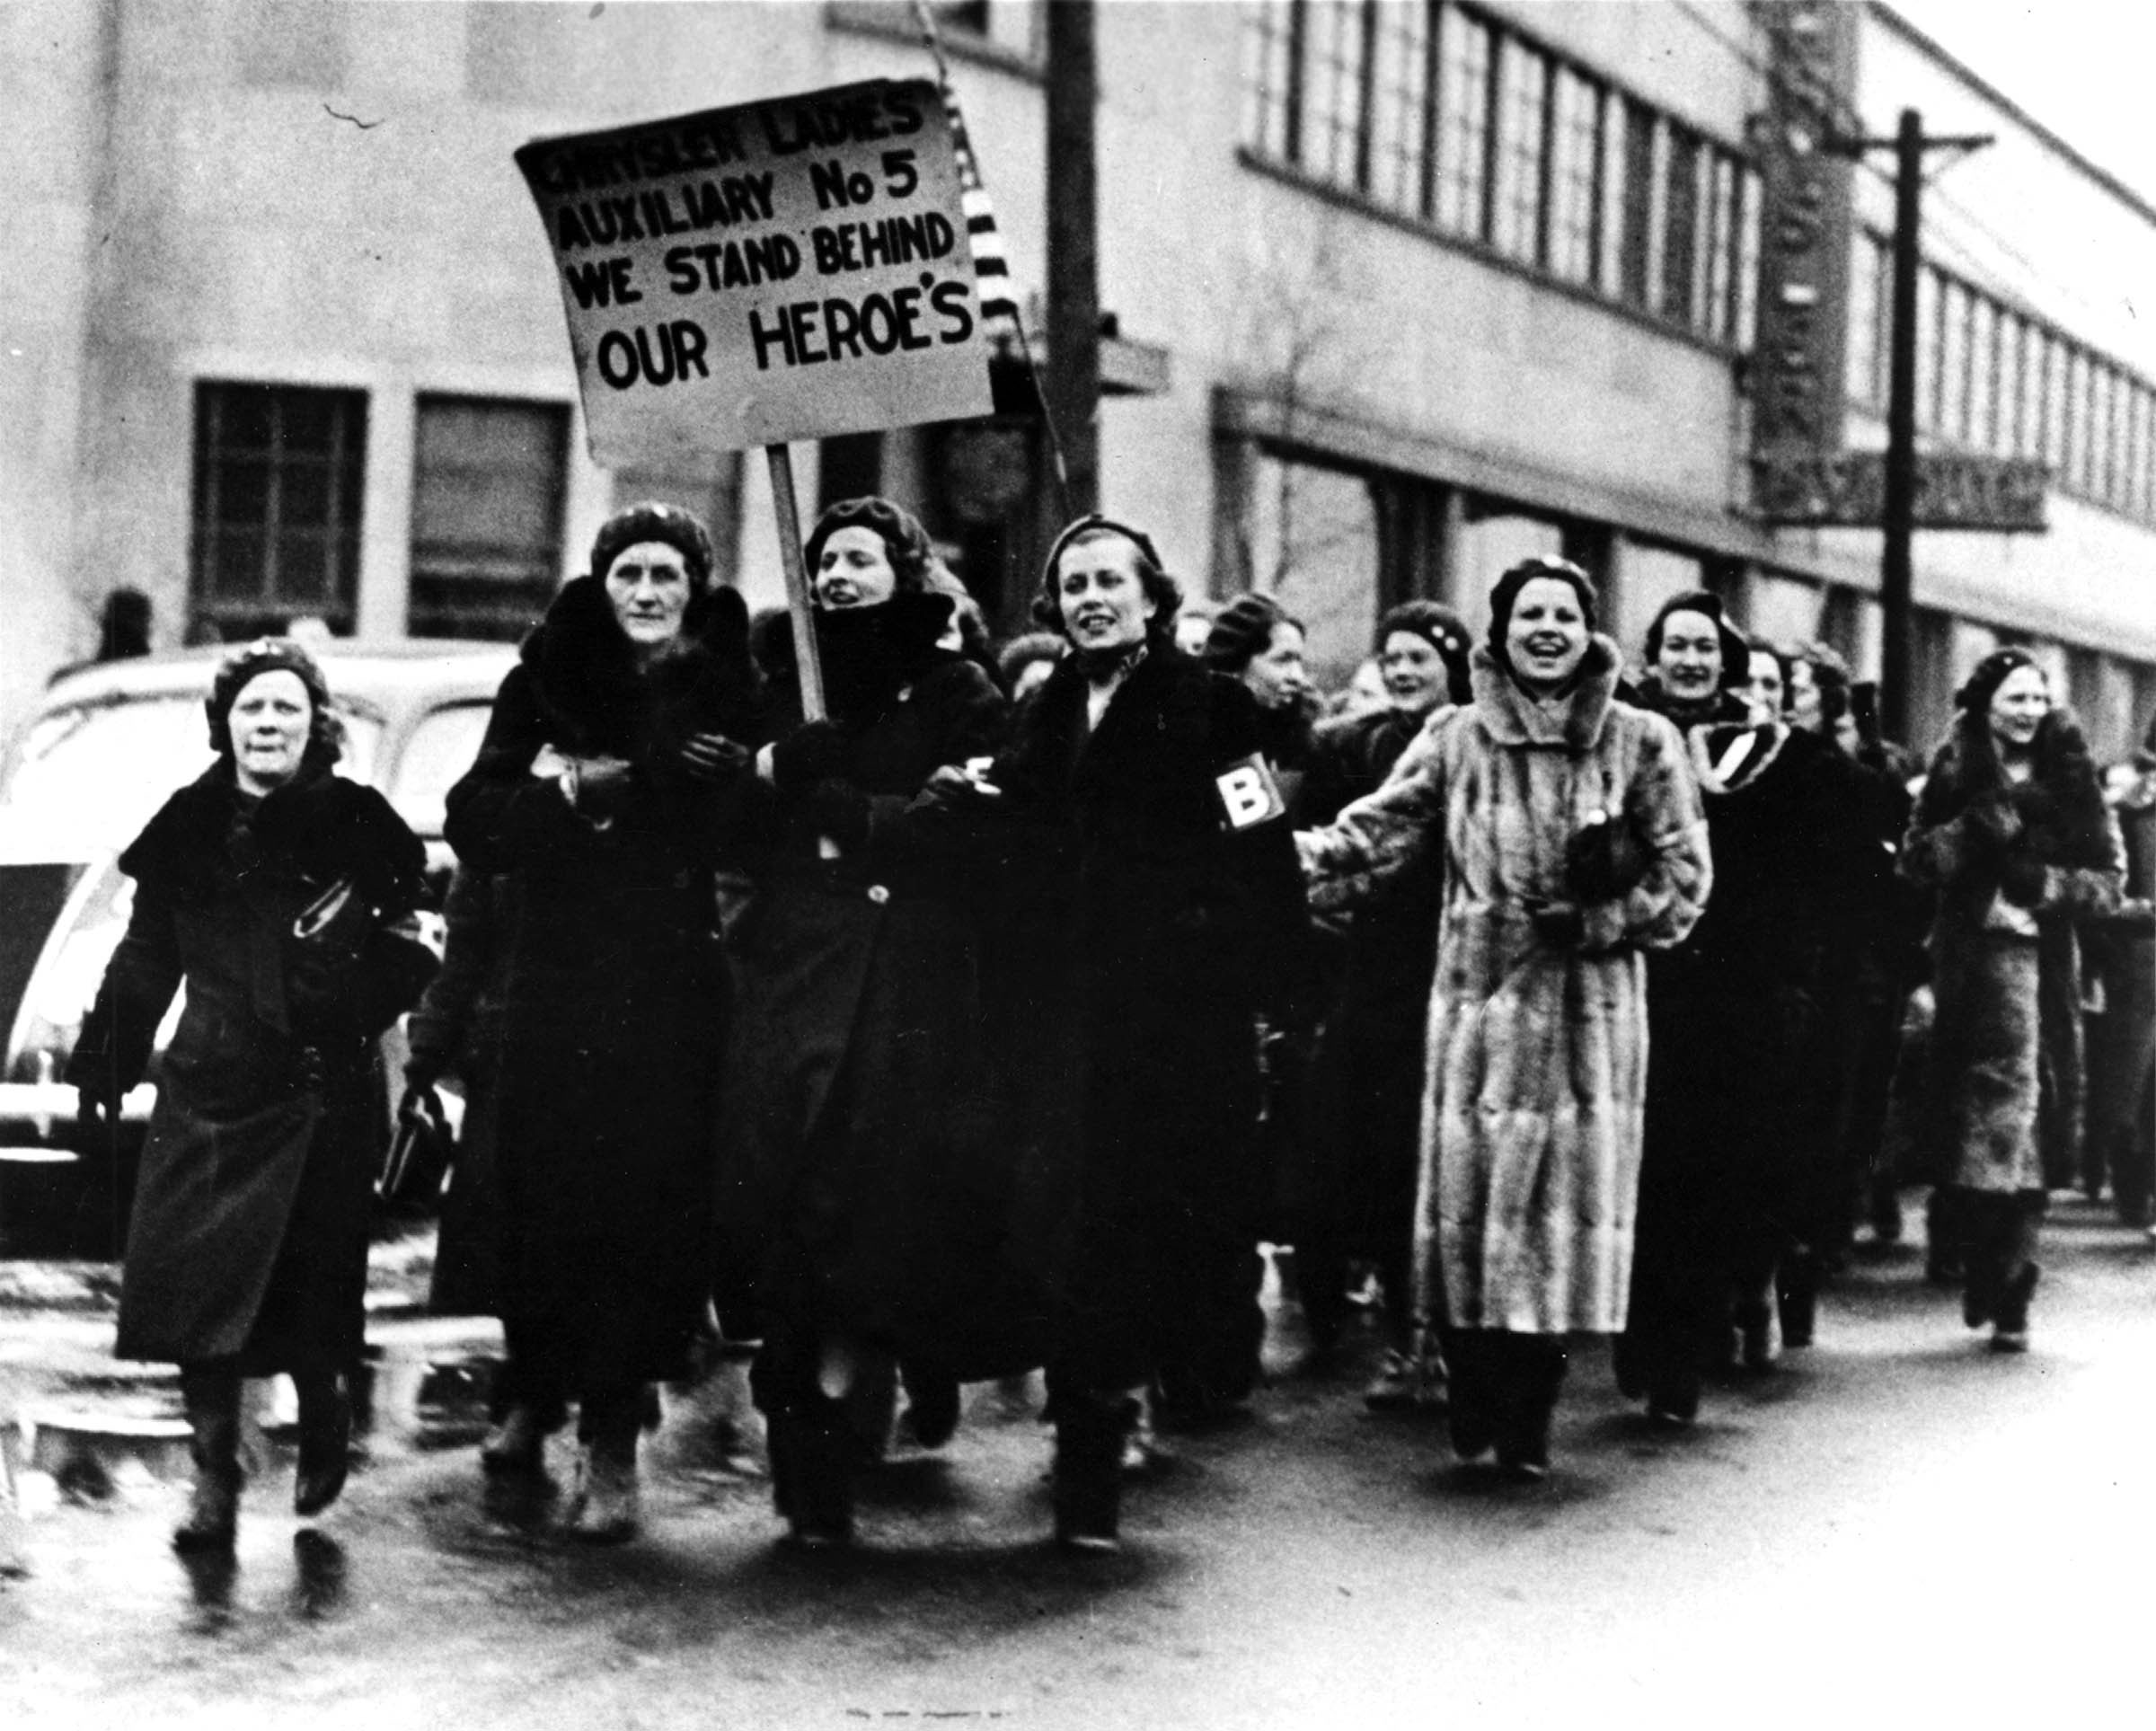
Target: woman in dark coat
x=613, y=776
x=1733, y=1020
x=1143, y=853
x=247, y=1250
x=1255, y=639
x=855, y=1070
x=1366, y=1106
x=2011, y=831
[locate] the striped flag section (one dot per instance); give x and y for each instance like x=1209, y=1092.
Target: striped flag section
x=991, y=265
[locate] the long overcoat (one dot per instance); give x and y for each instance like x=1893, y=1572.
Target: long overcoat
x=2004, y=1094
x=1145, y=920
x=1535, y=1064
x=249, y=1234
x=613, y=996
x=855, y=1142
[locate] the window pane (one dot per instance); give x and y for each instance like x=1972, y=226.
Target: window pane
x=1464, y=46
x=1680, y=227
x=1523, y=85
x=1574, y=178
x=279, y=473
x=1928, y=339
x=1315, y=547
x=486, y=515
x=1637, y=283
x=1402, y=64
x=1953, y=360
x=1332, y=88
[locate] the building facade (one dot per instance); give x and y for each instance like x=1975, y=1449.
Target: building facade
x=1397, y=291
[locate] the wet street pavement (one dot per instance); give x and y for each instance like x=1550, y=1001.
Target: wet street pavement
x=1894, y=1527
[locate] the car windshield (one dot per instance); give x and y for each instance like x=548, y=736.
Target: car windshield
x=94, y=774
x=434, y=759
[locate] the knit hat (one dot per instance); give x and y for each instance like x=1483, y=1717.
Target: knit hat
x=653, y=521
x=1242, y=631
x=1442, y=630
x=1736, y=647
x=325, y=735
x=1508, y=592
x=1987, y=675
x=905, y=542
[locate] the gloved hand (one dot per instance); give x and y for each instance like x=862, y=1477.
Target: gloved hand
x=2021, y=879
x=423, y=1069
x=956, y=785
x=602, y=786
x=713, y=757
x=97, y=1104
x=1995, y=820
x=838, y=809
x=813, y=752
x=1559, y=924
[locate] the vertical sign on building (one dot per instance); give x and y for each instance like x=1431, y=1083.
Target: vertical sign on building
x=1800, y=359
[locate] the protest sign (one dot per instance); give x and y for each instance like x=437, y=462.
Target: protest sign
x=784, y=270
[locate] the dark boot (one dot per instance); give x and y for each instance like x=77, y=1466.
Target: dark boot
x=813, y=1451
x=1532, y=1375
x=211, y=1398
x=1797, y=1298
x=2010, y=1317
x=1089, y=1470
x=325, y=1443
x=607, y=1508
x=1473, y=1414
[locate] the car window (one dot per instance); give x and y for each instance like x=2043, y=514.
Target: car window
x=97, y=773
x=440, y=750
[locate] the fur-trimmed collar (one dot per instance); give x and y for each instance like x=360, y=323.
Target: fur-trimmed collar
x=1729, y=759
x=1572, y=720
x=2061, y=805
x=585, y=673
x=318, y=829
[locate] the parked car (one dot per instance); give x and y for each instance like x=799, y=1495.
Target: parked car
x=106, y=747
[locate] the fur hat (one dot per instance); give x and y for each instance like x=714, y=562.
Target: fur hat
x=652, y=520
x=905, y=542
x=325, y=733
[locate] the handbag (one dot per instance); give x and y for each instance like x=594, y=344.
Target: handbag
x=419, y=1154
x=350, y=964
x=1604, y=857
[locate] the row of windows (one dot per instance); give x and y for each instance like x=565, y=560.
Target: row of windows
x=1990, y=378
x=1435, y=112
x=278, y=486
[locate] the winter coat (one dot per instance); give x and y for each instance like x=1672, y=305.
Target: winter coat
x=249, y=1232
x=2005, y=1089
x=1536, y=1056
x=857, y=1162
x=457, y=1030
x=1365, y=1083
x=613, y=996
x=1141, y=932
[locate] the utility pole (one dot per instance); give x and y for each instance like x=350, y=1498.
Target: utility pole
x=1073, y=288
x=1897, y=657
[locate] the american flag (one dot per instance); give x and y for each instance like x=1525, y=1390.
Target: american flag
x=991, y=266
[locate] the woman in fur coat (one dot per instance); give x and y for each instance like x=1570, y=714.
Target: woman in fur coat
x=2011, y=831
x=247, y=1248
x=612, y=778
x=1572, y=841
x=854, y=1118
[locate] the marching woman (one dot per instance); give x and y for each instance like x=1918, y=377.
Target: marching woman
x=1255, y=639
x=854, y=1118
x=2011, y=831
x=613, y=777
x=1144, y=867
x=1366, y=1082
x=1571, y=839
x=271, y=886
